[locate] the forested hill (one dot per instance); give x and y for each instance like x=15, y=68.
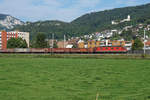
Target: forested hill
x=88, y=23
x=47, y=27
x=97, y=21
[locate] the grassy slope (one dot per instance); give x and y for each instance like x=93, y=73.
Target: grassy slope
x=74, y=79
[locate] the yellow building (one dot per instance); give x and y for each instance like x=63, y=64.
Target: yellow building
x=116, y=43
x=81, y=45
x=97, y=43
x=93, y=44
x=121, y=43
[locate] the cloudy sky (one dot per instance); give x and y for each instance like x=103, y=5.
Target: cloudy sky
x=65, y=10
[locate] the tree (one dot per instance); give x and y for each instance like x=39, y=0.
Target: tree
x=128, y=35
x=40, y=41
x=137, y=45
x=75, y=46
x=16, y=43
x=55, y=45
x=148, y=21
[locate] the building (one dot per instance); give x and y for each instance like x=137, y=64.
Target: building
x=81, y=44
x=114, y=22
x=93, y=44
x=147, y=45
x=116, y=43
x=127, y=20
x=5, y=36
x=124, y=20
x=69, y=46
x=62, y=44
x=128, y=44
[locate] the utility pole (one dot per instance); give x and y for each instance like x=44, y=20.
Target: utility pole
x=52, y=44
x=64, y=41
x=48, y=42
x=144, y=42
x=52, y=40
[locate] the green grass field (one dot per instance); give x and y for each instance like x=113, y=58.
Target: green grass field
x=74, y=79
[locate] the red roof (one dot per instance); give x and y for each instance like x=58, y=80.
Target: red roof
x=147, y=43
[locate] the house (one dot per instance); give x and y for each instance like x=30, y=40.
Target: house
x=62, y=44
x=81, y=44
x=147, y=45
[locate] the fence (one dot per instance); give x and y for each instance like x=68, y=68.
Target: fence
x=139, y=52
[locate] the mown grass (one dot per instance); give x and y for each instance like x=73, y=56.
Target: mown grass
x=74, y=79
x=81, y=56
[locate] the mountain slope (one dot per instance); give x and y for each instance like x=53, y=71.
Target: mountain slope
x=100, y=20
x=48, y=27
x=8, y=22
x=88, y=23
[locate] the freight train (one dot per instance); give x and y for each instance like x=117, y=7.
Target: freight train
x=106, y=49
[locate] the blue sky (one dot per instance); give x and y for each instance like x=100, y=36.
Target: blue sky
x=64, y=10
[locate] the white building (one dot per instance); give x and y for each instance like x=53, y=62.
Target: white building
x=23, y=35
x=127, y=20
x=5, y=36
x=124, y=20
x=114, y=23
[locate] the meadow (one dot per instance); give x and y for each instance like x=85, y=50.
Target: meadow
x=74, y=79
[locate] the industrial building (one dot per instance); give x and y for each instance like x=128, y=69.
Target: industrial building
x=5, y=36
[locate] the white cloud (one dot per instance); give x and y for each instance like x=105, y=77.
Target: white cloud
x=27, y=8
x=46, y=9
x=66, y=10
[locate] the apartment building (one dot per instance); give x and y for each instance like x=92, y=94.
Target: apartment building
x=93, y=44
x=5, y=36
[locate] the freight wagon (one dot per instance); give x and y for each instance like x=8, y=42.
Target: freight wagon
x=67, y=50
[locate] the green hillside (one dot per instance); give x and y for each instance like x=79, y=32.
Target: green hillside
x=48, y=27
x=92, y=22
x=102, y=20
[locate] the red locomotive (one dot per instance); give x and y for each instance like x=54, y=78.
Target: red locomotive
x=68, y=50
x=110, y=49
